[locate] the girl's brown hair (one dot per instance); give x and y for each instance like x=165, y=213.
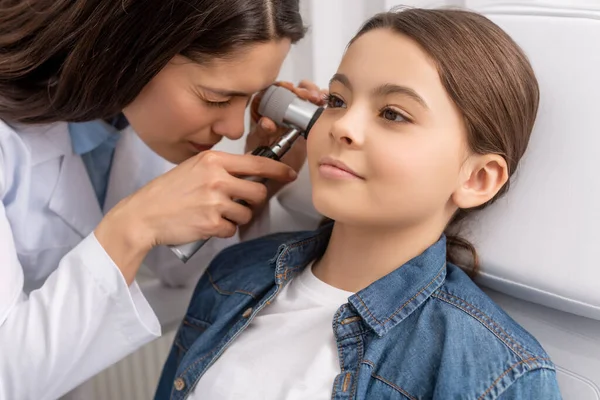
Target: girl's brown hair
x=490, y=80
x=78, y=60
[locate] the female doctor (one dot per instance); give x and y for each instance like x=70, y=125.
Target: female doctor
x=73, y=73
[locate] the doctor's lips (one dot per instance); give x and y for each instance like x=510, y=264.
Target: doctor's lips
x=201, y=147
x=335, y=169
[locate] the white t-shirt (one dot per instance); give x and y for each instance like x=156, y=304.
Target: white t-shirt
x=288, y=352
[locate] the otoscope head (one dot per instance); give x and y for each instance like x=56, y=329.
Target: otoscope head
x=286, y=109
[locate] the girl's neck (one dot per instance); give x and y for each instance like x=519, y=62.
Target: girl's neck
x=357, y=256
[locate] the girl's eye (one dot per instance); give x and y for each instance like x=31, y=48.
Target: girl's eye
x=335, y=102
x=392, y=115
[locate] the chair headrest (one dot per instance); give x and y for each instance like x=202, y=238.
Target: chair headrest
x=541, y=242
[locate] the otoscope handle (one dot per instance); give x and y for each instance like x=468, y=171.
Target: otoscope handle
x=185, y=251
x=263, y=151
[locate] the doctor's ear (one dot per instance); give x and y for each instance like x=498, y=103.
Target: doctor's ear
x=481, y=178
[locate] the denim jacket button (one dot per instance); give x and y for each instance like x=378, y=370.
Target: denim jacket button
x=179, y=384
x=247, y=313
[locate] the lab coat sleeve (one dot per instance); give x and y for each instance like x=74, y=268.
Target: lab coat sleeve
x=82, y=320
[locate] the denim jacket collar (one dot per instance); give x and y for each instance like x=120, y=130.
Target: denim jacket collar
x=387, y=301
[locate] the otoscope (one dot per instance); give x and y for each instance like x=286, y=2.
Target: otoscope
x=287, y=110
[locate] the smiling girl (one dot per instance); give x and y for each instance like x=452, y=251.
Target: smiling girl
x=428, y=115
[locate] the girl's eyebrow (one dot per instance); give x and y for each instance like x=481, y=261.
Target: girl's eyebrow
x=390, y=88
x=383, y=90
x=343, y=79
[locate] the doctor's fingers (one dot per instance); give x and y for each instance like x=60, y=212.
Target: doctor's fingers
x=221, y=227
x=249, y=165
x=224, y=222
x=252, y=192
x=312, y=92
x=217, y=217
x=236, y=213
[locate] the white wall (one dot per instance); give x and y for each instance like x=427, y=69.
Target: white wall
x=332, y=23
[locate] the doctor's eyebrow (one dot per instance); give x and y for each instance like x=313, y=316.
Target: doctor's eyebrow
x=229, y=93
x=383, y=90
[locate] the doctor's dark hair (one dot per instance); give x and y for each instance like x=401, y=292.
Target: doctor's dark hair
x=489, y=79
x=79, y=60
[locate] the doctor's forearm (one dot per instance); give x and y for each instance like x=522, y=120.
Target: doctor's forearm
x=123, y=240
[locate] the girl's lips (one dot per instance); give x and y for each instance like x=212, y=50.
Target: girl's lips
x=332, y=172
x=336, y=169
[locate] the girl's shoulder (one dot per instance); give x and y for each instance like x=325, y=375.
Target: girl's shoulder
x=461, y=296
x=474, y=346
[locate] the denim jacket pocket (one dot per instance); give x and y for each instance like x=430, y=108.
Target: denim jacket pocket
x=191, y=328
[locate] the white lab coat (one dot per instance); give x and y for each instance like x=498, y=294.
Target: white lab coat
x=66, y=312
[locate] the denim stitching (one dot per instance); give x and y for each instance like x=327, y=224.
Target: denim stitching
x=200, y=359
x=247, y=293
x=218, y=289
x=369, y=363
x=507, y=371
x=335, y=385
x=198, y=328
x=226, y=292
x=177, y=341
x=479, y=315
x=341, y=350
x=382, y=379
x=286, y=271
x=179, y=345
x=292, y=246
x=407, y=302
x=361, y=354
x=393, y=386
x=351, y=335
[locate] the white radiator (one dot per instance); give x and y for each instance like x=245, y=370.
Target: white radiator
x=133, y=378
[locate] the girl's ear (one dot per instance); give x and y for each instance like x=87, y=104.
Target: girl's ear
x=481, y=178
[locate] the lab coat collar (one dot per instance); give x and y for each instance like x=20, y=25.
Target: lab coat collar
x=73, y=199
x=45, y=142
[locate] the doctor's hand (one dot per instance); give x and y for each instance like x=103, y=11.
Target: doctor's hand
x=192, y=201
x=264, y=131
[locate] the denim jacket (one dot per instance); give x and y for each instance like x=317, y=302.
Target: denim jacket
x=424, y=331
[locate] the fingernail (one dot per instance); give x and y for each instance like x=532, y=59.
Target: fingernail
x=293, y=174
x=263, y=124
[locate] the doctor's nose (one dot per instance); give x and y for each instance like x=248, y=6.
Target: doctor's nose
x=231, y=123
